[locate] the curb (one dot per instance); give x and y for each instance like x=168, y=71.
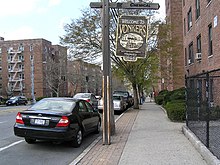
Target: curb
x=200, y=147
x=79, y=158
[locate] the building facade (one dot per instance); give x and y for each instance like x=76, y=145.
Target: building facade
x=172, y=64
x=84, y=77
x=201, y=36
x=24, y=67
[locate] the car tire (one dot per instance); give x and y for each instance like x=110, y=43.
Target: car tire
x=98, y=128
x=77, y=140
x=30, y=140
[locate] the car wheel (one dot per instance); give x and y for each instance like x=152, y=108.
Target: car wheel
x=77, y=140
x=98, y=128
x=30, y=141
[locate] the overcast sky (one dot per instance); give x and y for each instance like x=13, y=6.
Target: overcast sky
x=28, y=19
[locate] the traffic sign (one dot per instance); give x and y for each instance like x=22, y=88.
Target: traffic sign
x=128, y=5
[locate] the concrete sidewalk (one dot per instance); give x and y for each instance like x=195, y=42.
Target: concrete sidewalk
x=143, y=137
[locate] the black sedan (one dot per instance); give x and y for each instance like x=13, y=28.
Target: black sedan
x=57, y=119
x=17, y=100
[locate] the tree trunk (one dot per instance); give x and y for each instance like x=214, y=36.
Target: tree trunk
x=136, y=100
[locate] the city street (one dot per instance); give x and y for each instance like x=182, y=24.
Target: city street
x=14, y=150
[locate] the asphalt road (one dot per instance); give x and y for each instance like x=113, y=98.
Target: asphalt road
x=14, y=150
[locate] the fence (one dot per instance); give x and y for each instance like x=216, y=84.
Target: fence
x=203, y=108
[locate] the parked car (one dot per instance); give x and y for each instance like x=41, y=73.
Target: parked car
x=57, y=119
x=89, y=97
x=17, y=100
x=128, y=98
x=119, y=103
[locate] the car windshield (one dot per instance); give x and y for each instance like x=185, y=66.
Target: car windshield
x=54, y=105
x=13, y=98
x=82, y=95
x=124, y=94
x=116, y=98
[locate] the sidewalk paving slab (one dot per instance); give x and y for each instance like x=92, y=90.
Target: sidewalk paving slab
x=144, y=137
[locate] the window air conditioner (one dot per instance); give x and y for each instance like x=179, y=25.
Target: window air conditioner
x=189, y=61
x=190, y=24
x=198, y=56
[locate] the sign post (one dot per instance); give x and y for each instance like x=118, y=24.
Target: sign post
x=105, y=5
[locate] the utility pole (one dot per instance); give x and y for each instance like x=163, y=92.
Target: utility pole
x=106, y=73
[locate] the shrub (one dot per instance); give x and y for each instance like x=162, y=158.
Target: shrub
x=159, y=99
x=176, y=110
x=39, y=98
x=173, y=102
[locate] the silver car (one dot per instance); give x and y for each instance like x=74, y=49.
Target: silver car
x=89, y=97
x=118, y=102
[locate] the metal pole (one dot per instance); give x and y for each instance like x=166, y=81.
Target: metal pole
x=32, y=80
x=207, y=109
x=106, y=71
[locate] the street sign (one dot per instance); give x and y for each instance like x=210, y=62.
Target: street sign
x=128, y=5
x=131, y=37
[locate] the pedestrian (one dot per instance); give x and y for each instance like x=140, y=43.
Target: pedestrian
x=151, y=96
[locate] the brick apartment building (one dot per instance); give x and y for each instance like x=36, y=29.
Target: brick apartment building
x=87, y=77
x=172, y=66
x=26, y=67
x=84, y=77
x=201, y=36
x=201, y=48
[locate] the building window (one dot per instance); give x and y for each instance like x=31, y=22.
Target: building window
x=191, y=56
x=197, y=9
x=184, y=26
x=210, y=39
x=0, y=50
x=21, y=47
x=183, y=2
x=198, y=42
x=189, y=16
x=185, y=56
x=31, y=48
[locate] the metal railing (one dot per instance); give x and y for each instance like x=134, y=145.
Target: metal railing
x=203, y=108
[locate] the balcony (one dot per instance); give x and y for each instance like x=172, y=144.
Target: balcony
x=15, y=70
x=15, y=80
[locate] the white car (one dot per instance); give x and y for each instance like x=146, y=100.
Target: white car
x=118, y=102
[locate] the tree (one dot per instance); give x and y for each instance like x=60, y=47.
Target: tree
x=56, y=72
x=83, y=37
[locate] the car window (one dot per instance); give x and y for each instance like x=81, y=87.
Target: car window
x=54, y=105
x=82, y=95
x=93, y=97
x=89, y=107
x=82, y=107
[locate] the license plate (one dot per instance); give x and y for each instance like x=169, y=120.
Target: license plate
x=39, y=121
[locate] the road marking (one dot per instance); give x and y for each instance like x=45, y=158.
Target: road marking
x=2, y=122
x=13, y=144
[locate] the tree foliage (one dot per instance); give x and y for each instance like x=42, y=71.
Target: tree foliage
x=83, y=37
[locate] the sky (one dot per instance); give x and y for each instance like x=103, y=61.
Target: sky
x=29, y=19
